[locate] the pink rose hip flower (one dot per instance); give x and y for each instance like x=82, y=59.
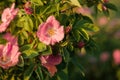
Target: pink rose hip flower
x=7, y=16
x=9, y=53
x=9, y=13
x=116, y=56
x=50, y=31
x=50, y=61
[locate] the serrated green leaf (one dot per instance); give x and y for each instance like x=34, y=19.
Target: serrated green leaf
x=26, y=47
x=21, y=62
x=41, y=47
x=39, y=73
x=20, y=39
x=62, y=75
x=25, y=34
x=84, y=34
x=28, y=24
x=75, y=2
x=76, y=35
x=48, y=51
x=13, y=77
x=37, y=2
x=30, y=53
x=66, y=55
x=3, y=41
x=77, y=64
x=90, y=27
x=111, y=6
x=29, y=72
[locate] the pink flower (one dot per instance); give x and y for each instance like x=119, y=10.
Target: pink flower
x=50, y=31
x=104, y=56
x=116, y=56
x=7, y=16
x=9, y=53
x=50, y=61
x=83, y=11
x=102, y=20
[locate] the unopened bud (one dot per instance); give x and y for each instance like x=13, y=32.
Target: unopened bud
x=104, y=8
x=106, y=1
x=81, y=44
x=68, y=29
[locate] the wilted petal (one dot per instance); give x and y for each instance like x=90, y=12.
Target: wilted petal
x=49, y=62
x=51, y=68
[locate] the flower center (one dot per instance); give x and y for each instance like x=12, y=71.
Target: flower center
x=51, y=32
x=4, y=59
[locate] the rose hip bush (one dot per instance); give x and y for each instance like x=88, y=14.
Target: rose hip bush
x=40, y=38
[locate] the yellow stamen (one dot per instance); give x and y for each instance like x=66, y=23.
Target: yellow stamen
x=3, y=58
x=51, y=32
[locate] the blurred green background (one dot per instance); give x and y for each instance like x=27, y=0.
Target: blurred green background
x=100, y=65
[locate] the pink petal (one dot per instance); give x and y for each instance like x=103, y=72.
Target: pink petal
x=59, y=34
x=13, y=6
x=51, y=68
x=54, y=59
x=10, y=38
x=116, y=56
x=43, y=60
x=53, y=21
x=3, y=27
x=6, y=13
x=1, y=49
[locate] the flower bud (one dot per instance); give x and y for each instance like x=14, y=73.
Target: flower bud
x=105, y=1
x=104, y=8
x=81, y=44
x=27, y=7
x=68, y=29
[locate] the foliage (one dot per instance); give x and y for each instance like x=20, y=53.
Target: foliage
x=25, y=27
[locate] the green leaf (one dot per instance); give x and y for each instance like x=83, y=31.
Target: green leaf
x=21, y=62
x=66, y=55
x=62, y=75
x=3, y=41
x=79, y=23
x=29, y=72
x=30, y=53
x=26, y=47
x=48, y=51
x=75, y=2
x=50, y=9
x=25, y=34
x=76, y=35
x=41, y=47
x=28, y=24
x=13, y=77
x=111, y=6
x=76, y=63
x=39, y=73
x=37, y=2
x=20, y=39
x=90, y=27
x=84, y=34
